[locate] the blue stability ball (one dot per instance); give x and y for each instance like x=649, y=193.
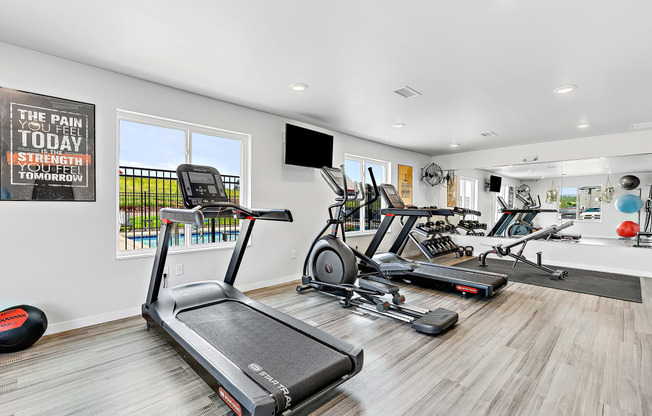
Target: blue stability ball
x=629, y=204
x=20, y=327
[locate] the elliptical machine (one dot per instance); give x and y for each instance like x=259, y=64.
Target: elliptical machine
x=331, y=265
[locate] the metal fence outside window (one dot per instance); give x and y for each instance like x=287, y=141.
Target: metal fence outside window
x=372, y=214
x=144, y=191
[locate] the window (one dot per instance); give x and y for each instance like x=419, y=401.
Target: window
x=356, y=168
x=590, y=203
x=507, y=193
x=568, y=203
x=468, y=194
x=150, y=149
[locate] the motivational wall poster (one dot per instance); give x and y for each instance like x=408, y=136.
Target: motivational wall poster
x=47, y=148
x=405, y=183
x=451, y=192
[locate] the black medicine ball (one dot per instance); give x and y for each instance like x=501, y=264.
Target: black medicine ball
x=629, y=182
x=20, y=327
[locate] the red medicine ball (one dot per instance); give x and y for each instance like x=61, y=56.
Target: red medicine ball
x=20, y=327
x=628, y=229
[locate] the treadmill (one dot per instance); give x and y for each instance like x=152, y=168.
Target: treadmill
x=509, y=214
x=259, y=361
x=466, y=281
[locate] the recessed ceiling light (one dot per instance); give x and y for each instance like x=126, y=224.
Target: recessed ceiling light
x=565, y=89
x=398, y=125
x=454, y=145
x=529, y=171
x=543, y=177
x=583, y=126
x=297, y=86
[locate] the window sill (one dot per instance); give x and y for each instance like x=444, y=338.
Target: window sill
x=144, y=253
x=360, y=233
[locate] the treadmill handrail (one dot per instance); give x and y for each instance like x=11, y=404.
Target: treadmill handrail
x=502, y=203
x=197, y=215
x=418, y=212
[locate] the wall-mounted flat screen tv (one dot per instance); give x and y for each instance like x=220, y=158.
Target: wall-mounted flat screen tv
x=494, y=183
x=309, y=148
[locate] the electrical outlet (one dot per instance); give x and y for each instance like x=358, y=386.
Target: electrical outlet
x=178, y=269
x=293, y=254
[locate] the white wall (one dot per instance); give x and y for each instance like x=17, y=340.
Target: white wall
x=611, y=217
x=60, y=256
x=621, y=144
x=487, y=204
x=617, y=259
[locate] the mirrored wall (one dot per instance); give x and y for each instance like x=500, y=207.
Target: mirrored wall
x=606, y=198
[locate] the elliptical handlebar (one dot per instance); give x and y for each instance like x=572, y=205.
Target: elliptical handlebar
x=371, y=201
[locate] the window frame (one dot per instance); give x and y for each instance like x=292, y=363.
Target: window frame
x=188, y=129
x=476, y=194
x=579, y=190
x=387, y=167
x=560, y=217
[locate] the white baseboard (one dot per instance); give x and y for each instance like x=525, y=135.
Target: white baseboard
x=267, y=283
x=92, y=320
x=135, y=311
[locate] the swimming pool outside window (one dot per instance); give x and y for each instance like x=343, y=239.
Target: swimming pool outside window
x=150, y=149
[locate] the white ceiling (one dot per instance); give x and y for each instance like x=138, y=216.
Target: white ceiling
x=481, y=65
x=616, y=166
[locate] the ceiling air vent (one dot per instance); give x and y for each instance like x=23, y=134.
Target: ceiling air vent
x=489, y=134
x=641, y=126
x=407, y=92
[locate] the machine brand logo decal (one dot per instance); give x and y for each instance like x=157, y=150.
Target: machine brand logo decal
x=13, y=318
x=329, y=268
x=466, y=289
x=230, y=401
x=255, y=367
x=271, y=380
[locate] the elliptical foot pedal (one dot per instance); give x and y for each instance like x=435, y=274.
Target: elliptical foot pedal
x=435, y=322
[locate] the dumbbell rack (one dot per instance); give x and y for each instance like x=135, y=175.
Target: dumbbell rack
x=471, y=227
x=435, y=240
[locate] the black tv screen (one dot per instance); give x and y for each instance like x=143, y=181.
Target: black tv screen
x=494, y=183
x=304, y=147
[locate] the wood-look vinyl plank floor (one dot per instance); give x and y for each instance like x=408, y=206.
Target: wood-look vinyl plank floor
x=528, y=351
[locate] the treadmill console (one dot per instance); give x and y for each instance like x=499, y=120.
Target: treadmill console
x=335, y=180
x=200, y=185
x=391, y=196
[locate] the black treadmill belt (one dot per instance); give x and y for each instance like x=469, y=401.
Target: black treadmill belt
x=283, y=361
x=432, y=270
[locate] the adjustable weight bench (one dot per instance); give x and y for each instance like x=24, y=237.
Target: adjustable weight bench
x=544, y=234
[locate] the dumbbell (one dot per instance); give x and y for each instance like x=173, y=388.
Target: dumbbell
x=450, y=244
x=431, y=246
